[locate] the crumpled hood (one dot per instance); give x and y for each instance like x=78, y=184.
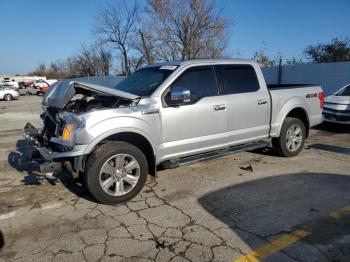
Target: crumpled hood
x=62, y=92
x=344, y=100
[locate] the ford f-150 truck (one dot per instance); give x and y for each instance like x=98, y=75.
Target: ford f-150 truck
x=168, y=114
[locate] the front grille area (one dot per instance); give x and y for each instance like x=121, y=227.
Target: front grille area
x=48, y=130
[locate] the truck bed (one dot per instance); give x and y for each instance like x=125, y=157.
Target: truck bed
x=285, y=97
x=287, y=86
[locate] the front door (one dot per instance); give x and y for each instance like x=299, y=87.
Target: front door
x=196, y=126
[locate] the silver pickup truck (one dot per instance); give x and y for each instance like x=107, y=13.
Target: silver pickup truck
x=168, y=114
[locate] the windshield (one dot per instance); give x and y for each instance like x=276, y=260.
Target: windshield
x=144, y=81
x=344, y=92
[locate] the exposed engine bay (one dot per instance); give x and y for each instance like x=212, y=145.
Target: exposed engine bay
x=82, y=97
x=64, y=102
x=88, y=103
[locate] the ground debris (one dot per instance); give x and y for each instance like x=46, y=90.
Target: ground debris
x=35, y=205
x=313, y=210
x=248, y=168
x=160, y=244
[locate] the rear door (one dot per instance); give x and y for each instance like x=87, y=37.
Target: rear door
x=199, y=125
x=248, y=105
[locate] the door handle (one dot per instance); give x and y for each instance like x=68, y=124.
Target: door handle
x=219, y=107
x=262, y=102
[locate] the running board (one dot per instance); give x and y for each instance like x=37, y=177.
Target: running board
x=174, y=163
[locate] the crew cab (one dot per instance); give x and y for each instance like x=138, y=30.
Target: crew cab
x=168, y=114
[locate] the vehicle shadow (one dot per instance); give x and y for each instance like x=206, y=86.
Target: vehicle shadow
x=2, y=240
x=21, y=161
x=267, y=150
x=262, y=209
x=331, y=148
x=333, y=127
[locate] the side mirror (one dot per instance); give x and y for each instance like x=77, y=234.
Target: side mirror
x=180, y=95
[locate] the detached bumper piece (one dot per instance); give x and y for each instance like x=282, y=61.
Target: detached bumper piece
x=50, y=167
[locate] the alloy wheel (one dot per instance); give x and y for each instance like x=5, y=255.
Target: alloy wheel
x=119, y=174
x=294, y=138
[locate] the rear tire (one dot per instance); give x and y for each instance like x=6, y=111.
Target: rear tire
x=8, y=97
x=115, y=172
x=291, y=139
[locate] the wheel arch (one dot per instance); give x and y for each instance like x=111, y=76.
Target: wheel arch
x=301, y=114
x=297, y=110
x=136, y=139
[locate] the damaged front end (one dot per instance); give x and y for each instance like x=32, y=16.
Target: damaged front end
x=55, y=143
x=64, y=106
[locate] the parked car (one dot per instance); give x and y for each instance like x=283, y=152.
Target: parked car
x=13, y=84
x=8, y=93
x=168, y=114
x=44, y=83
x=337, y=107
x=31, y=84
x=27, y=91
x=40, y=83
x=42, y=90
x=51, y=81
x=22, y=85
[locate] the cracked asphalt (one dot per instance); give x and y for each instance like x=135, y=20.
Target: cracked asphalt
x=216, y=210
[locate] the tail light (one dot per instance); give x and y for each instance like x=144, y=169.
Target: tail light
x=321, y=97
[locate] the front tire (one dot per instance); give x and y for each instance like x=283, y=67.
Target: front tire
x=115, y=172
x=291, y=139
x=8, y=97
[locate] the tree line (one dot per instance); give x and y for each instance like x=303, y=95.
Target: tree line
x=129, y=36
x=337, y=50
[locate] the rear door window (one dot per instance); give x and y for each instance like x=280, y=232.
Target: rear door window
x=236, y=79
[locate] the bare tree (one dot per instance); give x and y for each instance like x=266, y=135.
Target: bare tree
x=105, y=61
x=56, y=70
x=89, y=61
x=146, y=46
x=262, y=58
x=92, y=61
x=40, y=70
x=187, y=29
x=335, y=51
x=115, y=26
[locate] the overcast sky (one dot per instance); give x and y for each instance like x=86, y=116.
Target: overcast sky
x=38, y=31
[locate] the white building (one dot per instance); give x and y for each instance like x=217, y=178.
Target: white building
x=9, y=78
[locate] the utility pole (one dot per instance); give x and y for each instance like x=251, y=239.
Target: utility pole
x=280, y=71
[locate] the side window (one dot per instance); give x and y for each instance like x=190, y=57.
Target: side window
x=201, y=82
x=237, y=79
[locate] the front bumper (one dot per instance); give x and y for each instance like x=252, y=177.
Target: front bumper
x=336, y=113
x=336, y=117
x=32, y=136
